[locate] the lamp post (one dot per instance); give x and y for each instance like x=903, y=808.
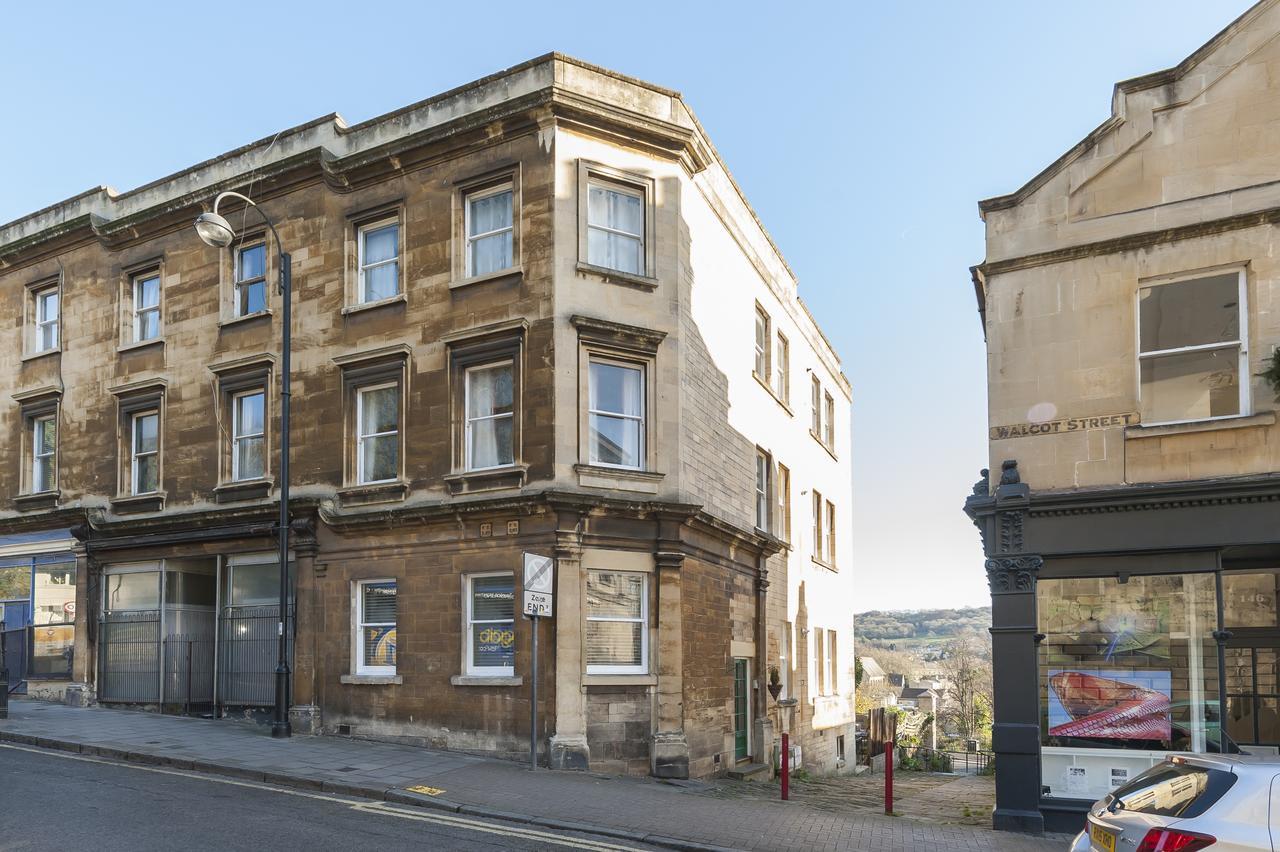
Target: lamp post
x=217, y=232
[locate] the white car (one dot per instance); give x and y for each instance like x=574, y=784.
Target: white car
x=1189, y=802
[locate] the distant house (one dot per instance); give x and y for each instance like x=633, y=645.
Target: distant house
x=871, y=671
x=918, y=698
x=898, y=681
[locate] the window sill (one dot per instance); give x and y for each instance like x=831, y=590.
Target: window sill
x=826, y=566
x=371, y=680
x=490, y=479
x=245, y=318
x=615, y=276
x=130, y=504
x=36, y=501
x=618, y=478
x=249, y=489
x=619, y=680
x=514, y=274
x=382, y=492
x=823, y=444
x=141, y=344
x=1265, y=418
x=487, y=680
x=397, y=299
x=35, y=356
x=760, y=380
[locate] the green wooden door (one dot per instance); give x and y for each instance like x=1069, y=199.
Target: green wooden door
x=740, y=750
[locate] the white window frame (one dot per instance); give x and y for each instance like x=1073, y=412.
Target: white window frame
x=782, y=367
x=819, y=536
x=469, y=238
x=139, y=310
x=595, y=181
x=815, y=401
x=358, y=624
x=236, y=437
x=763, y=344
x=361, y=437
x=135, y=455
x=361, y=233
x=469, y=420
x=830, y=539
x=43, y=321
x=782, y=475
x=820, y=659
x=471, y=667
x=828, y=420
x=38, y=424
x=1242, y=306
x=643, y=620
x=237, y=282
x=764, y=497
x=642, y=450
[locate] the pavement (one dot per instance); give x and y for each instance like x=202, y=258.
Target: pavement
x=82, y=802
x=680, y=815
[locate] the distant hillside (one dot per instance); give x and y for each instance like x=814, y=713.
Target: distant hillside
x=892, y=626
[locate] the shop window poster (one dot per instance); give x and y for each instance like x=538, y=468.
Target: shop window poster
x=1122, y=625
x=1110, y=704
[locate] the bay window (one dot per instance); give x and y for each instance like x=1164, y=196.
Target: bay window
x=1193, y=349
x=617, y=611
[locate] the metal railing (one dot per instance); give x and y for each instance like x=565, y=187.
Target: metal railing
x=924, y=759
x=129, y=657
x=247, y=649
x=15, y=657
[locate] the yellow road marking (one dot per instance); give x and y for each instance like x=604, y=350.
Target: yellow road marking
x=425, y=790
x=365, y=806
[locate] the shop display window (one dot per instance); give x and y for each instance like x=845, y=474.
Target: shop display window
x=1128, y=672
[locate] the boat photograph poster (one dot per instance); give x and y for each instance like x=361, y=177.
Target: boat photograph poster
x=1110, y=704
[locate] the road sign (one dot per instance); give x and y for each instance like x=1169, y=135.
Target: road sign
x=537, y=603
x=539, y=573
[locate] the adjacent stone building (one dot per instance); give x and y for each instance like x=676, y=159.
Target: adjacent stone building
x=534, y=314
x=1131, y=519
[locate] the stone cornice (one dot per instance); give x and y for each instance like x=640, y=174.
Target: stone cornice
x=1141, y=498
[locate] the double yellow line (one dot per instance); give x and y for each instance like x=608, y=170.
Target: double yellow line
x=363, y=805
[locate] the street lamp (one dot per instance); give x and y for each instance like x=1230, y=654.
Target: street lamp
x=217, y=232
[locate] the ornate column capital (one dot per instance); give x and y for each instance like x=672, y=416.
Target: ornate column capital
x=1013, y=573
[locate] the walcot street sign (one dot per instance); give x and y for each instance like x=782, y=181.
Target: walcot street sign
x=1062, y=427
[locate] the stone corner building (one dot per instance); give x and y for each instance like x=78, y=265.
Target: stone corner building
x=534, y=314
x=1131, y=519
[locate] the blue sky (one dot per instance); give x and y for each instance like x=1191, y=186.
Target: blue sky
x=863, y=134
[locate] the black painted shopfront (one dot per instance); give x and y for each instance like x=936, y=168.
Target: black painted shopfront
x=1128, y=622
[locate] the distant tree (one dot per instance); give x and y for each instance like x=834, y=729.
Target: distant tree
x=857, y=672
x=966, y=667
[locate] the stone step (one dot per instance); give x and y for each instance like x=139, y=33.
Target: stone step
x=750, y=772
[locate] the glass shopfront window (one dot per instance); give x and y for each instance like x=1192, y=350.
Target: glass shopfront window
x=1128, y=672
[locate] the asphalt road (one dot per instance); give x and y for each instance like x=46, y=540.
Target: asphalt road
x=55, y=801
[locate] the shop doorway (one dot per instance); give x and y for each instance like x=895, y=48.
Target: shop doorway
x=741, y=714
x=156, y=634
x=1253, y=695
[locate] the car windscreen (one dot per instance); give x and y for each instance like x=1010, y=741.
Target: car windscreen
x=1173, y=790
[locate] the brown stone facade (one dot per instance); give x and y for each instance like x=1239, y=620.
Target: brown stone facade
x=681, y=520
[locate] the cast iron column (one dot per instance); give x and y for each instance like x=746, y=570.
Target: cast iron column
x=280, y=723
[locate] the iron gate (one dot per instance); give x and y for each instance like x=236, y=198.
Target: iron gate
x=15, y=657
x=129, y=657
x=247, y=651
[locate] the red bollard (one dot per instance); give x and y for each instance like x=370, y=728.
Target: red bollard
x=786, y=766
x=888, y=779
